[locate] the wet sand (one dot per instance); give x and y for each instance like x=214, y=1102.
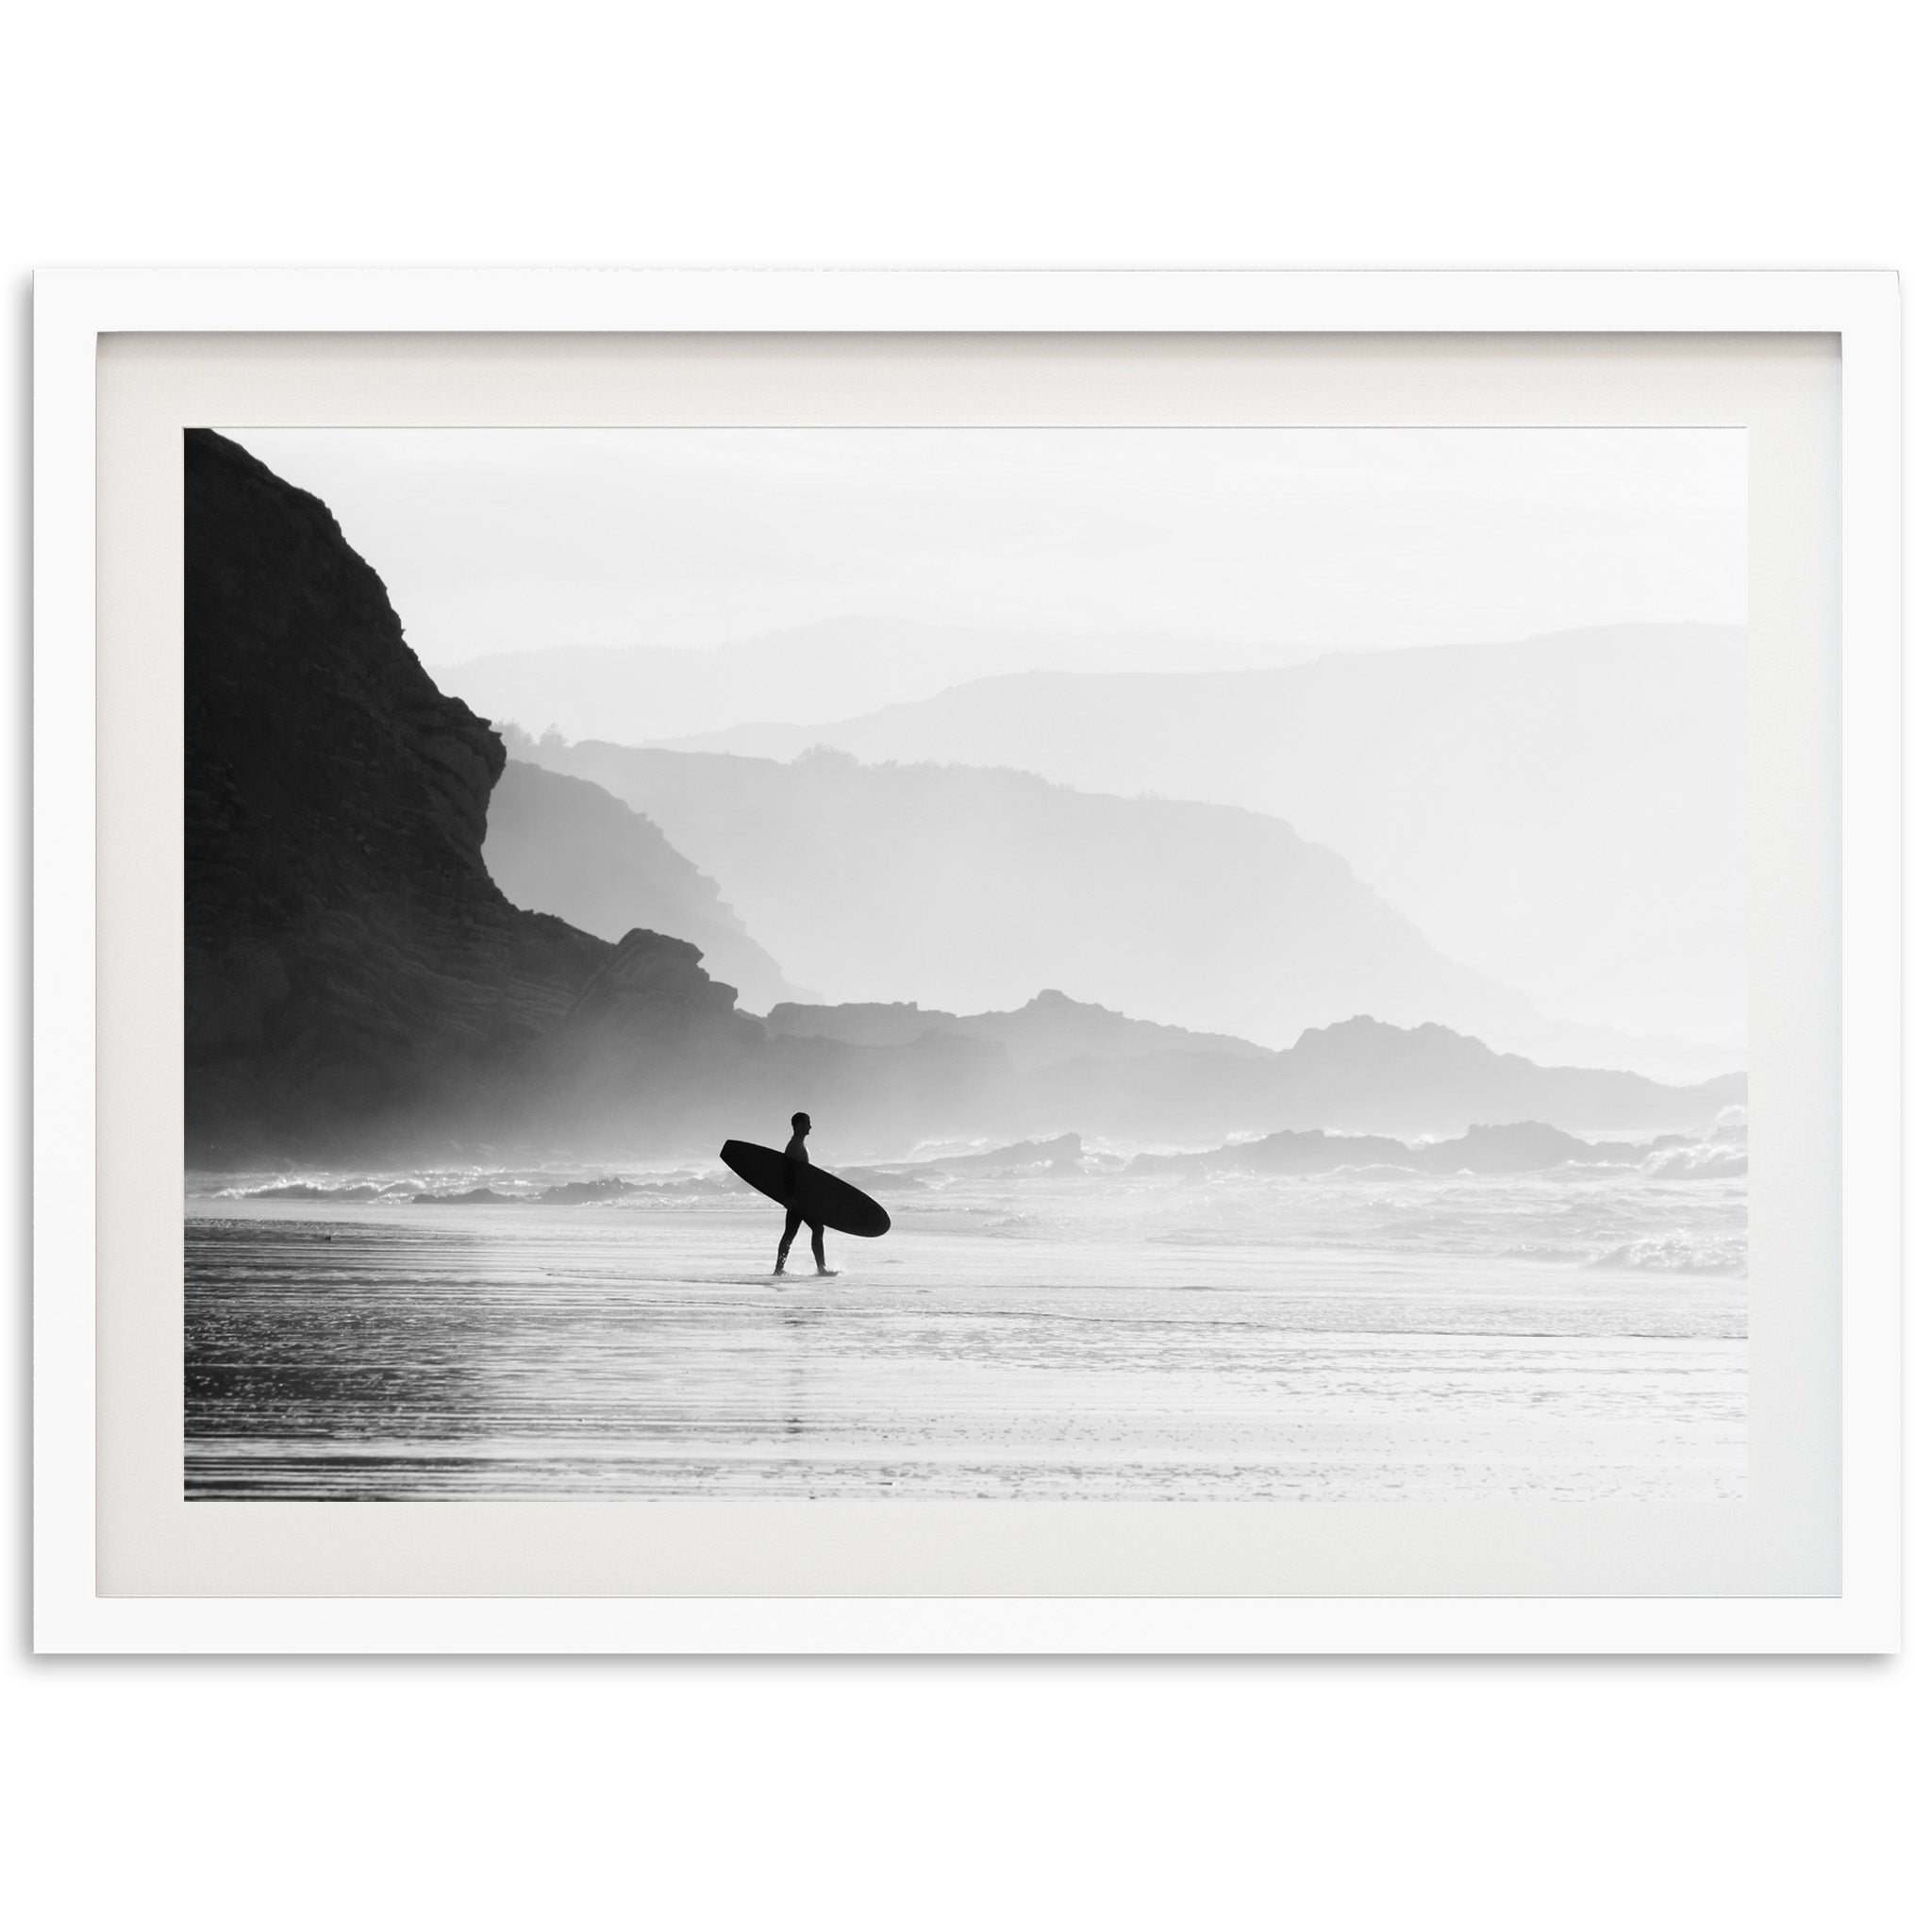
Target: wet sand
x=1080, y=1350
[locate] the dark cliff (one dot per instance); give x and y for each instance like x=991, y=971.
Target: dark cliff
x=353, y=975
x=651, y=1055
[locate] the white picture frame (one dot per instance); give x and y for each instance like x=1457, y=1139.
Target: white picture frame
x=76, y=309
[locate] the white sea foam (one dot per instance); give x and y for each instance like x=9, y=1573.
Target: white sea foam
x=1700, y=1163
x=1678, y=1252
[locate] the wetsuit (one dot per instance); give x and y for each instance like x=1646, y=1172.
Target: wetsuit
x=798, y=1161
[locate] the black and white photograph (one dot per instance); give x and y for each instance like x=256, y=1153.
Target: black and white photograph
x=963, y=967
x=1052, y=963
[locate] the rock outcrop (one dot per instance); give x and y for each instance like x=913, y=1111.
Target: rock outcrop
x=1112, y=1074
x=1360, y=1073
x=1048, y=1029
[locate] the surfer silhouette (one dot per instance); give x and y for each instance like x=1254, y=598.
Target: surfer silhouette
x=796, y=1161
x=812, y=1197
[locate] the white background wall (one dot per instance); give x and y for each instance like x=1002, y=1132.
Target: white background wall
x=1416, y=1794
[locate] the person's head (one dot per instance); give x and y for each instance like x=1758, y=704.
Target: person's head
x=801, y=1123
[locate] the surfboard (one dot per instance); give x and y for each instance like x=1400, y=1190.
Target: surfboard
x=822, y=1196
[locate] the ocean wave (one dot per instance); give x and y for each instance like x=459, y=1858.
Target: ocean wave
x=1678, y=1253
x=464, y=1187
x=1706, y=1162
x=310, y=1191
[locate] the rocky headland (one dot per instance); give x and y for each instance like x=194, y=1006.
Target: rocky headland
x=354, y=975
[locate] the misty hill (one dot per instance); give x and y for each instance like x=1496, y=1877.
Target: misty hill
x=348, y=960
x=1565, y=814
x=565, y=847
x=967, y=890
x=814, y=672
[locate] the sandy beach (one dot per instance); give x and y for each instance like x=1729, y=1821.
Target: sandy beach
x=1073, y=1338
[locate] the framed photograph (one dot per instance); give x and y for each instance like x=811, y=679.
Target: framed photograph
x=985, y=962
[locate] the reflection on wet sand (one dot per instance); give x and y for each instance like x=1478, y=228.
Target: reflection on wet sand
x=1090, y=1348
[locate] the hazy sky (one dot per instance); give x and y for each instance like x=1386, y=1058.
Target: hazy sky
x=1281, y=540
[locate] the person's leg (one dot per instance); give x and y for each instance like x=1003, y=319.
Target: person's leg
x=792, y=1219
x=818, y=1244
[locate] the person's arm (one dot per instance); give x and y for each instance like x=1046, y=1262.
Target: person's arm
x=796, y=1161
